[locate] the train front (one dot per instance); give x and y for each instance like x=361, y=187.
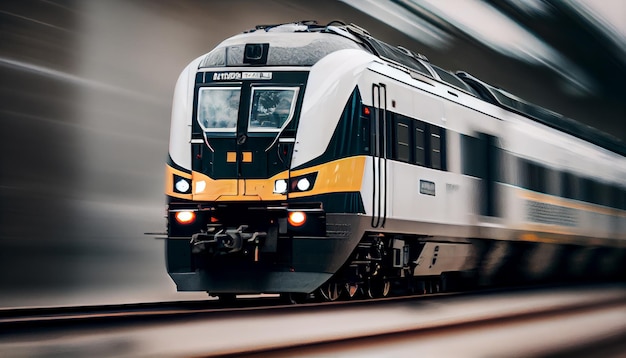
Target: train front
x=239, y=220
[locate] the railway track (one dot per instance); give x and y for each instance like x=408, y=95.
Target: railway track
x=17, y=320
x=268, y=329
x=42, y=319
x=407, y=340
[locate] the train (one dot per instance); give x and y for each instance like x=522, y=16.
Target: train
x=314, y=160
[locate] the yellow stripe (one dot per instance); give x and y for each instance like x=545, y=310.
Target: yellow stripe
x=551, y=238
x=544, y=238
x=342, y=175
x=553, y=229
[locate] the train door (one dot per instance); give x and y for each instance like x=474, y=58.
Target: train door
x=379, y=155
x=490, y=156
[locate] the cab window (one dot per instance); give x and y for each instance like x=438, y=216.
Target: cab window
x=218, y=108
x=272, y=108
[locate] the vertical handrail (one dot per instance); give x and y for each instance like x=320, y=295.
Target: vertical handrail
x=384, y=158
x=379, y=160
x=375, y=153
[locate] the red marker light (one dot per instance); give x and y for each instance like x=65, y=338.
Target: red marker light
x=296, y=218
x=366, y=111
x=185, y=217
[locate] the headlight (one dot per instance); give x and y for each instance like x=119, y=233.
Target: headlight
x=185, y=217
x=295, y=184
x=181, y=185
x=280, y=186
x=200, y=186
x=296, y=218
x=303, y=184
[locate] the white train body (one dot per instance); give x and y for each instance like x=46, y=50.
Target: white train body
x=422, y=171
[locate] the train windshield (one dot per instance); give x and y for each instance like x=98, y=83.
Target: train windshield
x=218, y=108
x=272, y=108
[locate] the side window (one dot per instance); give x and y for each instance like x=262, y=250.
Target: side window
x=417, y=142
x=617, y=198
x=602, y=193
x=551, y=179
x=402, y=147
x=420, y=143
x=586, y=190
x=523, y=178
x=569, y=186
x=435, y=147
x=403, y=142
x=536, y=176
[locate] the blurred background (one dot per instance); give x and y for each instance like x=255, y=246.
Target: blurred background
x=85, y=100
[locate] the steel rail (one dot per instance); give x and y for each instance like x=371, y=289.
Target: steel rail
x=27, y=321
x=322, y=346
x=41, y=319
x=203, y=329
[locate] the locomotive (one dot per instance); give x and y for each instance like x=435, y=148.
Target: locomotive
x=308, y=158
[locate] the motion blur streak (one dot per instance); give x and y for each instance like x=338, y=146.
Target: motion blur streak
x=75, y=80
x=494, y=29
x=78, y=192
x=404, y=21
x=38, y=152
x=608, y=16
x=586, y=53
x=85, y=100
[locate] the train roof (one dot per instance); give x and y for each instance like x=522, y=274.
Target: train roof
x=315, y=44
x=279, y=48
x=506, y=100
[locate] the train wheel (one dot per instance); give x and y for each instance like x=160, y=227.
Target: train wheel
x=420, y=287
x=294, y=298
x=433, y=286
x=331, y=291
x=450, y=281
x=378, y=288
x=352, y=289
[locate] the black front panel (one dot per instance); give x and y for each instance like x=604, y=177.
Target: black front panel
x=238, y=117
